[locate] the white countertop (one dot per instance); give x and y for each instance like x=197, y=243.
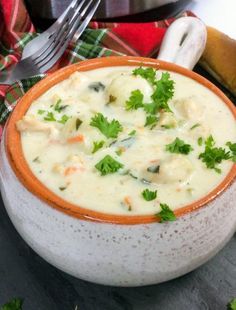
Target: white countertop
x=220, y=14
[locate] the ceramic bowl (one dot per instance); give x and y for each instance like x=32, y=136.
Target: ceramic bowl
x=111, y=249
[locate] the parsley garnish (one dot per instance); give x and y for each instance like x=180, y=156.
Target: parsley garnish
x=50, y=117
x=59, y=107
x=40, y=112
x=63, y=119
x=62, y=188
x=112, y=99
x=167, y=126
x=212, y=156
x=78, y=123
x=232, y=304
x=149, y=195
x=179, y=147
x=132, y=133
x=97, y=145
x=14, y=304
x=36, y=160
x=163, y=92
x=108, y=165
x=109, y=129
x=166, y=213
x=151, y=108
x=135, y=101
x=195, y=126
x=210, y=141
x=151, y=120
x=200, y=141
x=232, y=147
x=148, y=74
x=119, y=152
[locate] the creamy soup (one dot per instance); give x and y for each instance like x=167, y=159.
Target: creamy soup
x=124, y=140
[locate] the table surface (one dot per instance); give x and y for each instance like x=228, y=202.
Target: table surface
x=24, y=274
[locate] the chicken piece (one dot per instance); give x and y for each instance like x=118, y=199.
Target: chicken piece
x=30, y=123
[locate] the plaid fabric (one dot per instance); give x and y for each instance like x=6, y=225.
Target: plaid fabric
x=99, y=40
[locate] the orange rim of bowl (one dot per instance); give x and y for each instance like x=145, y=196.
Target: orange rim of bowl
x=25, y=175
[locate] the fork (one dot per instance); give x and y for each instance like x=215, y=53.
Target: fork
x=42, y=58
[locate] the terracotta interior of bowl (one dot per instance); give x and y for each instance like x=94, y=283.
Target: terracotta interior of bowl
x=24, y=174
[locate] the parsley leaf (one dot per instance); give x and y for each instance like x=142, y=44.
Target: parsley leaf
x=148, y=74
x=166, y=213
x=112, y=99
x=59, y=107
x=135, y=101
x=232, y=147
x=97, y=145
x=78, y=123
x=63, y=119
x=40, y=112
x=132, y=133
x=108, y=165
x=119, y=152
x=14, y=304
x=151, y=108
x=109, y=129
x=151, y=120
x=210, y=141
x=163, y=92
x=200, y=141
x=195, y=126
x=179, y=147
x=212, y=156
x=232, y=304
x=50, y=117
x=149, y=195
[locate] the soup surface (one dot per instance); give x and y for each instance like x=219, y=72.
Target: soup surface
x=124, y=140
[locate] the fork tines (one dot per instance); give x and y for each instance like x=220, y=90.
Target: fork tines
x=77, y=17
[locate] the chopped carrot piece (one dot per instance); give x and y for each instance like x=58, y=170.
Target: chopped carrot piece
x=70, y=170
x=128, y=202
x=76, y=139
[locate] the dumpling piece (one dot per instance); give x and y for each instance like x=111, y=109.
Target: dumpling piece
x=189, y=108
x=171, y=170
x=121, y=87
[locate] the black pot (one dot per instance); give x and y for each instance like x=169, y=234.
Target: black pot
x=52, y=9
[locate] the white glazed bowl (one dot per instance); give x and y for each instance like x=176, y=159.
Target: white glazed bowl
x=106, y=249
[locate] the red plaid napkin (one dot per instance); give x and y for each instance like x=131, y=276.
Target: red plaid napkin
x=99, y=40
